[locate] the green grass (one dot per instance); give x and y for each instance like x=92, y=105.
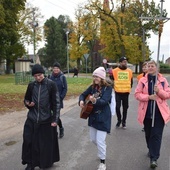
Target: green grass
x=7, y=85
x=75, y=85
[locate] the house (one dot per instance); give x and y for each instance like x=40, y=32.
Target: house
x=167, y=61
x=25, y=63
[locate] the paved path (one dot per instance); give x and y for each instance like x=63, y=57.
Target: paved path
x=126, y=149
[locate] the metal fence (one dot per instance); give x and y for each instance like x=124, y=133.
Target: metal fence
x=23, y=77
x=26, y=77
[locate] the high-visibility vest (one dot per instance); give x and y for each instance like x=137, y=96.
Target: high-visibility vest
x=122, y=80
x=139, y=76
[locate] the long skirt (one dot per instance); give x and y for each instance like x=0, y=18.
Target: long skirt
x=40, y=144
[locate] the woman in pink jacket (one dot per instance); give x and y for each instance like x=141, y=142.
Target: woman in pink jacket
x=148, y=91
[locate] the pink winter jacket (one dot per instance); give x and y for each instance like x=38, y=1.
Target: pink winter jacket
x=141, y=94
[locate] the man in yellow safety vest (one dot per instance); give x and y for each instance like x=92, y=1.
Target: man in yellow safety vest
x=123, y=81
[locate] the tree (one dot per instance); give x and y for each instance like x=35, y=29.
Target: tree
x=83, y=36
x=121, y=28
x=10, y=47
x=29, y=25
x=55, y=38
x=42, y=54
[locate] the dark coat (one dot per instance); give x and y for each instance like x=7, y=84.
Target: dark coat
x=100, y=118
x=40, y=141
x=40, y=144
x=61, y=83
x=46, y=101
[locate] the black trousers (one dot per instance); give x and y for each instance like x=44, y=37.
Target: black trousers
x=60, y=123
x=122, y=99
x=153, y=136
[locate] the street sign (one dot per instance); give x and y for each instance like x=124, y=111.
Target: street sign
x=86, y=56
x=104, y=61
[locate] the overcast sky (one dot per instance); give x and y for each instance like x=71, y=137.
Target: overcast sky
x=55, y=8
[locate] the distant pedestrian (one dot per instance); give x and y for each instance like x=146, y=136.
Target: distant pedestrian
x=99, y=121
x=123, y=81
x=153, y=92
x=58, y=77
x=75, y=71
x=40, y=142
x=144, y=72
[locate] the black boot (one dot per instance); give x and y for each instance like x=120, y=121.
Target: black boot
x=61, y=132
x=29, y=167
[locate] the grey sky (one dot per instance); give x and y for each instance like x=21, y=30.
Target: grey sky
x=55, y=8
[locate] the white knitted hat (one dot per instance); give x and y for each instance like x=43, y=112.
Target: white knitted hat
x=100, y=72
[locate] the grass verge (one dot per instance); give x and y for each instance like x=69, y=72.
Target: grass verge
x=12, y=95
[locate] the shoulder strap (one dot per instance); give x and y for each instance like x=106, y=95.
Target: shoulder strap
x=61, y=79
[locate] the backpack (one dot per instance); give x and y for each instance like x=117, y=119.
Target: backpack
x=61, y=79
x=113, y=104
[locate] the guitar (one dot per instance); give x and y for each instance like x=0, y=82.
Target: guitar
x=88, y=107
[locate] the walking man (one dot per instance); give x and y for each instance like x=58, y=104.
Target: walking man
x=123, y=81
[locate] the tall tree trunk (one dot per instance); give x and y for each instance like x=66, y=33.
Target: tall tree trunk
x=78, y=63
x=8, y=63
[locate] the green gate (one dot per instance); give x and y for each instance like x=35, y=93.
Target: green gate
x=23, y=77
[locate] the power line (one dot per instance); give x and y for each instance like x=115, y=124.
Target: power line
x=61, y=6
x=55, y=5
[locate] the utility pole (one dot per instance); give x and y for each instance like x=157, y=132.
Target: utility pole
x=67, y=31
x=34, y=24
x=143, y=44
x=161, y=20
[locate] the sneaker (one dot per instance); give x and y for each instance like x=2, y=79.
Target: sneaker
x=118, y=124
x=153, y=164
x=123, y=125
x=61, y=132
x=102, y=166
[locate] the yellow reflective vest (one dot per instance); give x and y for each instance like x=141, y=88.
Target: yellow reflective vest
x=122, y=80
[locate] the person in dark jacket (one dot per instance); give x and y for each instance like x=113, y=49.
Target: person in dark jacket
x=100, y=119
x=40, y=142
x=76, y=72
x=60, y=80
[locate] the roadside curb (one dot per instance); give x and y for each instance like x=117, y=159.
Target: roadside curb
x=68, y=104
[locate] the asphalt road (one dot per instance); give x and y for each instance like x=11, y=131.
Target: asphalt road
x=126, y=149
